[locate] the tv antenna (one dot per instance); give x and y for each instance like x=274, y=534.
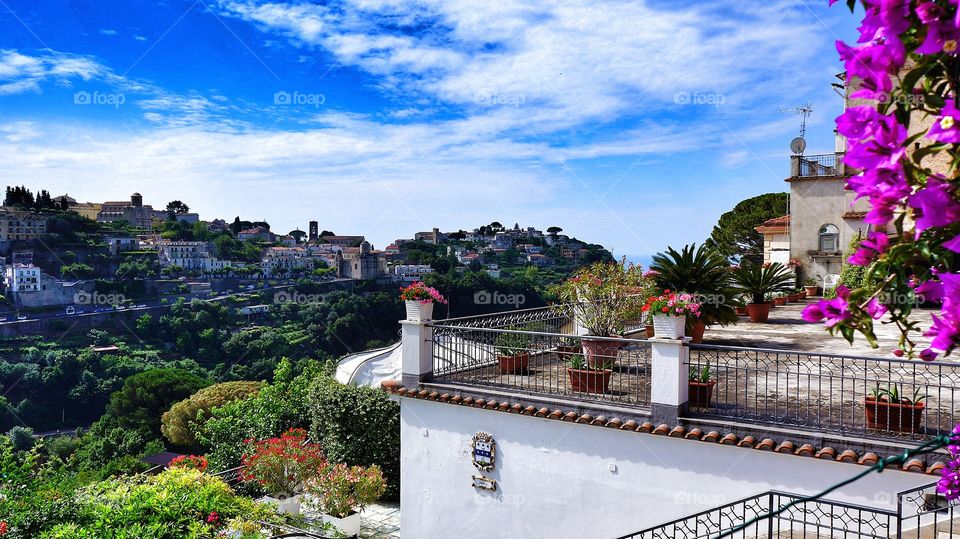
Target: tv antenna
x=804, y=112
x=798, y=144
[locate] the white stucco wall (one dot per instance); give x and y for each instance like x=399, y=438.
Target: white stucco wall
x=558, y=479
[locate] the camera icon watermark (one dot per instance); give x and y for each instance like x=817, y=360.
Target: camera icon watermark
x=98, y=298
x=510, y=100
x=295, y=298
x=98, y=98
x=485, y=297
x=296, y=98
x=699, y=98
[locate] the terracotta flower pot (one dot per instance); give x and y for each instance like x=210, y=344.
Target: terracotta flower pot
x=742, y=311
x=780, y=301
x=569, y=349
x=759, y=312
x=701, y=393
x=696, y=331
x=600, y=352
x=649, y=330
x=891, y=416
x=515, y=364
x=811, y=290
x=589, y=380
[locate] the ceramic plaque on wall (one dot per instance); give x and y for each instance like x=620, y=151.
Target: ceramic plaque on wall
x=484, y=451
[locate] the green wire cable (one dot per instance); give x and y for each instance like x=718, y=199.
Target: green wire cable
x=928, y=447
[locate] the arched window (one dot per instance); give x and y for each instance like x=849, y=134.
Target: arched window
x=829, y=238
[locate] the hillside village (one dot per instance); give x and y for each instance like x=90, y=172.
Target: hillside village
x=55, y=248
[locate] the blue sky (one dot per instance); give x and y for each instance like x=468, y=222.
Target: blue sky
x=633, y=124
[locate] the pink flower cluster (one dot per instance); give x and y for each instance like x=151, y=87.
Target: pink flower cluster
x=422, y=293
x=671, y=303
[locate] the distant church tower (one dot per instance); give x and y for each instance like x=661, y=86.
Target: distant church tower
x=314, y=231
x=136, y=200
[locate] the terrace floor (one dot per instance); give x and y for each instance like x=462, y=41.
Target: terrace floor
x=381, y=521
x=788, y=331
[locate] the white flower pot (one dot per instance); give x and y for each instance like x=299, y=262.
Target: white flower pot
x=349, y=525
x=668, y=326
x=417, y=312
x=288, y=506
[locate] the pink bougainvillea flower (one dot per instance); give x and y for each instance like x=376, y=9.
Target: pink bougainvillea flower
x=876, y=309
x=942, y=33
x=935, y=205
x=947, y=126
x=873, y=63
x=875, y=244
x=953, y=245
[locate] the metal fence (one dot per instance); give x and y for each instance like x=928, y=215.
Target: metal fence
x=830, y=164
x=536, y=351
x=920, y=514
x=826, y=392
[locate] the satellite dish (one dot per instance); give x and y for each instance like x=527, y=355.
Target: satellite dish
x=797, y=145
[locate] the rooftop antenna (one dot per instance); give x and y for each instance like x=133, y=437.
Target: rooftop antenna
x=798, y=144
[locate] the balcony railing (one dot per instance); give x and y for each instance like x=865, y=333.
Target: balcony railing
x=534, y=352
x=920, y=514
x=829, y=393
x=829, y=164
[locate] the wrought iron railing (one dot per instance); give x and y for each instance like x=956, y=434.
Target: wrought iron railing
x=828, y=393
x=537, y=352
x=830, y=164
x=920, y=514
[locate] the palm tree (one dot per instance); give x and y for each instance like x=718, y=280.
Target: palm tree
x=758, y=281
x=702, y=272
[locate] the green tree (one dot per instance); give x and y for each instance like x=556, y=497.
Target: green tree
x=175, y=206
x=144, y=397
x=181, y=423
x=735, y=235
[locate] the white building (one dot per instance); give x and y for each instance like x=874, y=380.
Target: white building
x=408, y=273
x=22, y=278
x=528, y=454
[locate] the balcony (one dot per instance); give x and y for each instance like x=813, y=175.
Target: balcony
x=527, y=355
x=816, y=166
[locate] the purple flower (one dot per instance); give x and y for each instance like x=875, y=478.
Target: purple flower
x=813, y=313
x=947, y=127
x=953, y=245
x=875, y=309
x=875, y=244
x=872, y=63
x=858, y=123
x=942, y=34
x=949, y=483
x=834, y=311
x=935, y=205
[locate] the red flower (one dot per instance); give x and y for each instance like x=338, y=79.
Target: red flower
x=665, y=309
x=4, y=527
x=213, y=518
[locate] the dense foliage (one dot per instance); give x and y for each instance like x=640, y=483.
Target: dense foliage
x=182, y=421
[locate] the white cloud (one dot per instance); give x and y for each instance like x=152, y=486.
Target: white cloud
x=108, y=32
x=21, y=73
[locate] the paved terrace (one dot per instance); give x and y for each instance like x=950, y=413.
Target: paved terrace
x=786, y=330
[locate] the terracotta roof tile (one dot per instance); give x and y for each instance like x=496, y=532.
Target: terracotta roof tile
x=676, y=431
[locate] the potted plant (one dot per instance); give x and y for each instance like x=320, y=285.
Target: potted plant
x=670, y=312
x=282, y=466
x=419, y=299
x=601, y=299
x=586, y=378
x=780, y=299
x=701, y=271
x=810, y=287
x=758, y=281
x=888, y=409
x=340, y=493
x=513, y=352
x=740, y=306
x=700, y=387
x=569, y=345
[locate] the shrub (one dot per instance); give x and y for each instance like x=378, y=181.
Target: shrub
x=145, y=396
x=22, y=438
x=177, y=503
x=357, y=426
x=181, y=422
x=341, y=490
x=277, y=408
x=283, y=465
